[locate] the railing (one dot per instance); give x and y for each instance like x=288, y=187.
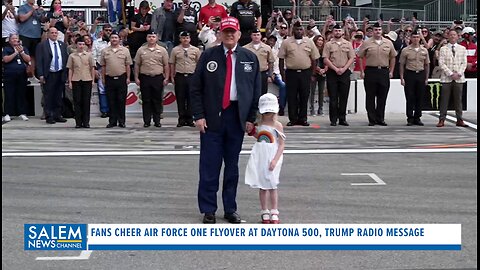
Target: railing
x=358, y=13
x=449, y=10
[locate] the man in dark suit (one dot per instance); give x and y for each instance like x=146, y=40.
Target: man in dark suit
x=224, y=106
x=51, y=68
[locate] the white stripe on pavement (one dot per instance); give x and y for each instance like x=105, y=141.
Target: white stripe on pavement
x=245, y=152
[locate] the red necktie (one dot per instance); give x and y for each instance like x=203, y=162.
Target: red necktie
x=228, y=81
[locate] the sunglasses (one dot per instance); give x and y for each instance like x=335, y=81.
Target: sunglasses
x=283, y=27
x=408, y=30
x=107, y=30
x=423, y=31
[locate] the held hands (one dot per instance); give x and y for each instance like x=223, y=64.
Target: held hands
x=201, y=124
x=249, y=127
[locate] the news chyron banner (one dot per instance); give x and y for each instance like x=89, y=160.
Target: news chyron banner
x=243, y=237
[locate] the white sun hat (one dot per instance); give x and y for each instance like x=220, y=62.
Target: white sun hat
x=268, y=103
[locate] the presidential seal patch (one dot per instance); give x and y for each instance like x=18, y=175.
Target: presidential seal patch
x=212, y=66
x=247, y=67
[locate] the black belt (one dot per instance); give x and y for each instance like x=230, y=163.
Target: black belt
x=116, y=77
x=377, y=67
x=298, y=70
x=415, y=71
x=147, y=75
x=183, y=74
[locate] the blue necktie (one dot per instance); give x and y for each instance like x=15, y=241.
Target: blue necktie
x=56, y=66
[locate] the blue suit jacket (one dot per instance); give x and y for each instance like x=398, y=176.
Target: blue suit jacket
x=208, y=82
x=44, y=58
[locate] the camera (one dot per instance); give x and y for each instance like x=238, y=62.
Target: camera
x=395, y=20
x=217, y=19
x=415, y=15
x=458, y=22
x=367, y=16
x=275, y=10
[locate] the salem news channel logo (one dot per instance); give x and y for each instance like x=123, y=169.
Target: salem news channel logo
x=55, y=236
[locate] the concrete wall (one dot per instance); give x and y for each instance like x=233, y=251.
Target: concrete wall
x=356, y=102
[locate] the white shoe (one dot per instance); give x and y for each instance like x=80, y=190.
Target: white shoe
x=7, y=118
x=24, y=117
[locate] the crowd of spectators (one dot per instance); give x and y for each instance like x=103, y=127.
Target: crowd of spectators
x=30, y=23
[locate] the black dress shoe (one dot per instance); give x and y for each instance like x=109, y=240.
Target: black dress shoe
x=418, y=122
x=122, y=125
x=60, y=120
x=104, y=115
x=50, y=121
x=158, y=125
x=344, y=123
x=146, y=125
x=382, y=123
x=281, y=112
x=179, y=125
x=304, y=123
x=409, y=122
x=78, y=126
x=191, y=124
x=333, y=124
x=86, y=125
x=111, y=125
x=233, y=218
x=289, y=124
x=371, y=124
x=209, y=218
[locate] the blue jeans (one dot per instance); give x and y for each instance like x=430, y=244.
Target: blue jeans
x=282, y=90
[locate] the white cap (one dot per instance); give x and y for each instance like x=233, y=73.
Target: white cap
x=392, y=35
x=468, y=30
x=268, y=103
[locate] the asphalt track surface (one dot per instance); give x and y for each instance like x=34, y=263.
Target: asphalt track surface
x=150, y=175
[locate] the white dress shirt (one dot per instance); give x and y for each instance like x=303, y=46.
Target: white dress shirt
x=59, y=53
x=233, y=84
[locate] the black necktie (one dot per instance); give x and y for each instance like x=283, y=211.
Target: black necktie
x=453, y=50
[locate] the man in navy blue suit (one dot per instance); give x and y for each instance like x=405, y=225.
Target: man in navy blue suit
x=51, y=68
x=224, y=106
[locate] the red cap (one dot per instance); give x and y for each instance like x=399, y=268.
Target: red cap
x=229, y=23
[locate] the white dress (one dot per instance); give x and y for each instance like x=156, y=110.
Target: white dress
x=257, y=174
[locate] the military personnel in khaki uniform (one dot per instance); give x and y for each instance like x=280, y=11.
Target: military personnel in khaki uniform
x=338, y=56
x=81, y=72
x=116, y=61
x=183, y=61
x=152, y=73
x=299, y=53
x=414, y=72
x=265, y=57
x=380, y=63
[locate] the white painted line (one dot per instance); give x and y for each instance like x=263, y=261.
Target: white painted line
x=454, y=119
x=245, y=152
x=84, y=255
x=378, y=181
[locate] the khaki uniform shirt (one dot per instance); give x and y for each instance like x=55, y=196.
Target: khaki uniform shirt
x=339, y=52
x=414, y=60
x=263, y=53
x=377, y=55
x=185, y=60
x=151, y=61
x=81, y=65
x=298, y=56
x=115, y=60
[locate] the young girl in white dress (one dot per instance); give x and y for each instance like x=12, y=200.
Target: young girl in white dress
x=265, y=163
